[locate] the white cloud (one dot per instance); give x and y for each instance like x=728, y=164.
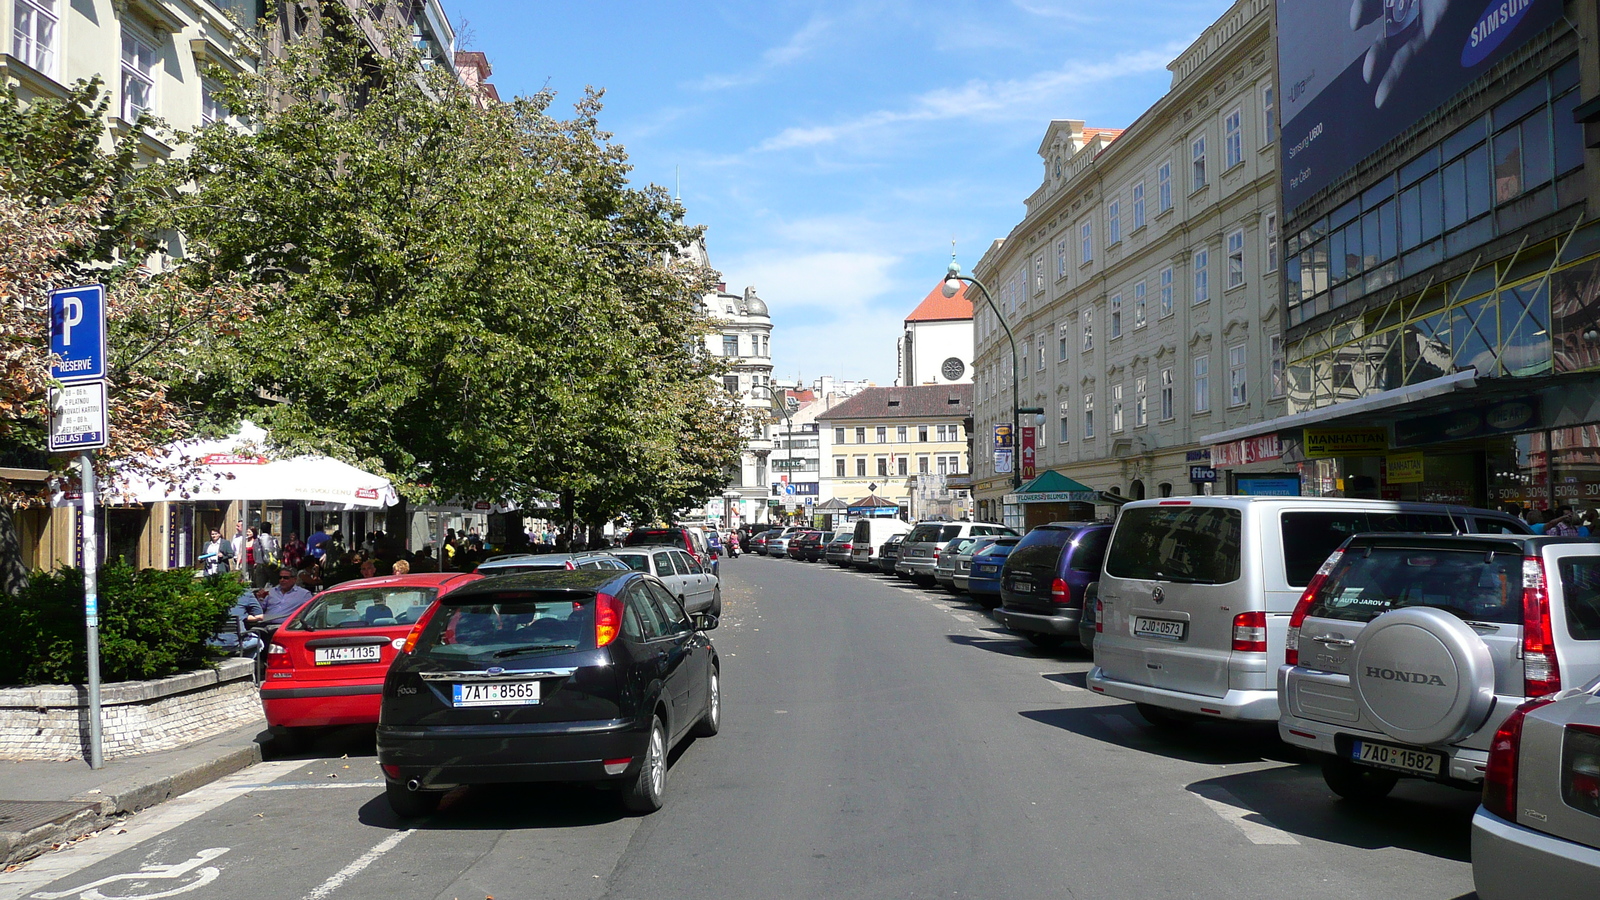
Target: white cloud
x=797, y=47
x=1070, y=10
x=832, y=283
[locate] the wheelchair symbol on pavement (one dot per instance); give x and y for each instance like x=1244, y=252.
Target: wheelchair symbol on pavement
x=203, y=875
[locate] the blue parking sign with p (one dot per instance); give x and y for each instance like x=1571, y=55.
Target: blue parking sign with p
x=78, y=333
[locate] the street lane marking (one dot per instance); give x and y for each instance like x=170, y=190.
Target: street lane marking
x=206, y=875
x=317, y=785
x=1232, y=810
x=361, y=862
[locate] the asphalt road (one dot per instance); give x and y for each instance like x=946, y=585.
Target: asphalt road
x=878, y=741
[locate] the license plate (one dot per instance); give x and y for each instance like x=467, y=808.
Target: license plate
x=333, y=656
x=1404, y=759
x=985, y=569
x=1022, y=587
x=919, y=553
x=1165, y=629
x=496, y=693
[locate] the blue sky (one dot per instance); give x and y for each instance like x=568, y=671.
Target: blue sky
x=834, y=149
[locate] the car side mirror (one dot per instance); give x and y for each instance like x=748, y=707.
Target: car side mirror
x=705, y=621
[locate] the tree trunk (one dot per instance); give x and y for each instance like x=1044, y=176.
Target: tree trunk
x=13, y=574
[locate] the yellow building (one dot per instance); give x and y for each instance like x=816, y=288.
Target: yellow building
x=909, y=445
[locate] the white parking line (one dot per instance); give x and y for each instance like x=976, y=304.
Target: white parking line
x=1235, y=812
x=361, y=862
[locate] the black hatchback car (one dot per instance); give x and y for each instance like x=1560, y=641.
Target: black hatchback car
x=585, y=675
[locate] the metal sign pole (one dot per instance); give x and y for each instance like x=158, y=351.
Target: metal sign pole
x=91, y=607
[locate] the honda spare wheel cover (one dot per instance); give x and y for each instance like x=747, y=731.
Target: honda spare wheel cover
x=1422, y=676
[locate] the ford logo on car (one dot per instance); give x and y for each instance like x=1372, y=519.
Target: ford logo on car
x=494, y=670
x=1408, y=677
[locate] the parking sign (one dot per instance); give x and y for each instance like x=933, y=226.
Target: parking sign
x=78, y=333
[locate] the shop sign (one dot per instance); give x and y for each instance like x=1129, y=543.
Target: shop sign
x=1198, y=456
x=1202, y=474
x=1028, y=453
x=1002, y=437
x=1260, y=448
x=1270, y=487
x=805, y=488
x=1324, y=442
x=1403, y=468
x=1501, y=418
x=1053, y=497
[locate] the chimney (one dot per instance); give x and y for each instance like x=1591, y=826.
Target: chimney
x=722, y=287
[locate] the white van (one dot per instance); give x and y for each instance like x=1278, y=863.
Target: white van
x=1196, y=594
x=870, y=535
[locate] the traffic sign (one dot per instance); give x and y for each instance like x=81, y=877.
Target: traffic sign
x=78, y=333
x=78, y=416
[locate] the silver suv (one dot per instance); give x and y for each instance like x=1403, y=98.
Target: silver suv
x=919, y=552
x=1407, y=651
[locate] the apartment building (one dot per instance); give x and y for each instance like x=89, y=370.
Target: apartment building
x=903, y=444
x=1141, y=286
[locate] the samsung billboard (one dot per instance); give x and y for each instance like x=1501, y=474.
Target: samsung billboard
x=1354, y=74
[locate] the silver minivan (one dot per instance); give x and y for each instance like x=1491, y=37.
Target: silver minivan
x=919, y=552
x=1196, y=593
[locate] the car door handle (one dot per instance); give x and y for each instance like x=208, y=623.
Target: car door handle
x=1329, y=640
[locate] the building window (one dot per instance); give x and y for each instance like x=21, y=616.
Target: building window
x=1166, y=395
x=1279, y=383
x=922, y=434
x=138, y=77
x=861, y=435
x=33, y=34
x=883, y=434
x=1272, y=242
x=1116, y=408
x=1116, y=316
x=1238, y=394
x=1038, y=274
x=1236, y=259
x=861, y=467
x=730, y=345
x=944, y=465
x=1197, y=163
x=1166, y=292
x=1061, y=344
x=1065, y=427
x=731, y=382
x=1138, y=205
x=1140, y=403
x=903, y=463
x=883, y=466
x=211, y=108
x=1024, y=356
x=1202, y=383
x=838, y=435
x=1138, y=305
x=900, y=434
x=1269, y=116
x=1113, y=222
x=1233, y=140
x=1088, y=416
x=838, y=467
x=1202, y=282
x=939, y=433
x=1164, y=187
x=1088, y=328
x=1086, y=236
x=922, y=465
x=1061, y=258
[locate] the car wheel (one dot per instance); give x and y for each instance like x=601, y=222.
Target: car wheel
x=644, y=793
x=711, y=722
x=290, y=740
x=1163, y=719
x=716, y=601
x=408, y=804
x=1047, y=641
x=1358, y=784
x=987, y=601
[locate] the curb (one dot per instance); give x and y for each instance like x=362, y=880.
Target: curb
x=120, y=799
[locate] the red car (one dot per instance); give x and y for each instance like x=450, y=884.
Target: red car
x=326, y=665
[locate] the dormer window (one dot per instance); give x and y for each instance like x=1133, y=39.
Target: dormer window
x=730, y=309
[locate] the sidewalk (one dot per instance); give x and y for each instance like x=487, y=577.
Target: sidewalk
x=48, y=802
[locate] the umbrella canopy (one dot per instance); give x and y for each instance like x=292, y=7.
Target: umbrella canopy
x=234, y=468
x=833, y=505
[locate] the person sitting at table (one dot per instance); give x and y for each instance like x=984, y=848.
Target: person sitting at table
x=282, y=599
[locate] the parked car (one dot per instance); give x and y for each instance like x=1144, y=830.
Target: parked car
x=1042, y=585
x=778, y=544
x=839, y=549
x=1540, y=817
x=1196, y=593
x=697, y=590
x=758, y=543
x=816, y=546
x=804, y=544
x=963, y=575
x=869, y=535
x=325, y=665
x=944, y=569
x=522, y=563
x=920, y=549
x=688, y=538
x=1407, y=651
x=553, y=676
x=983, y=583
x=889, y=554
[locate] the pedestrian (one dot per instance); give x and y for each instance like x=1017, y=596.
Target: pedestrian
x=315, y=544
x=238, y=549
x=217, y=556
x=294, y=551
x=1561, y=525
x=281, y=600
x=253, y=561
x=401, y=567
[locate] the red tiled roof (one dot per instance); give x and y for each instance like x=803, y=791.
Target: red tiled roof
x=923, y=401
x=936, y=307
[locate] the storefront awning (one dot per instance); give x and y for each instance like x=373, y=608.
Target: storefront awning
x=1054, y=487
x=873, y=506
x=1371, y=403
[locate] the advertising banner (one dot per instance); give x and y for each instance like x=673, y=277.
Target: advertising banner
x=1355, y=75
x=1028, y=453
x=1403, y=468
x=1249, y=450
x=1323, y=442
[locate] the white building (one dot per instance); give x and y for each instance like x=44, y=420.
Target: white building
x=936, y=346
x=744, y=337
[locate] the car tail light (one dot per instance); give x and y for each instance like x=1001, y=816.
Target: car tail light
x=1500, y=776
x=1541, y=673
x=1250, y=632
x=1291, y=641
x=278, y=656
x=416, y=630
x=1099, y=617
x=617, y=766
x=607, y=619
x=1059, y=592
x=390, y=770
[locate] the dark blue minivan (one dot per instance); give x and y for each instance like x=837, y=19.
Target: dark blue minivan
x=1043, y=582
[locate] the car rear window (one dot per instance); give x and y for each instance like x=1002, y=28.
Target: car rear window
x=1476, y=585
x=1090, y=552
x=636, y=561
x=1580, y=585
x=1309, y=538
x=950, y=532
x=863, y=530
x=1041, y=548
x=520, y=568
x=364, y=608
x=654, y=536
x=509, y=626
x=923, y=534
x=1186, y=544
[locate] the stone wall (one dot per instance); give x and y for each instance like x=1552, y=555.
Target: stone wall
x=52, y=721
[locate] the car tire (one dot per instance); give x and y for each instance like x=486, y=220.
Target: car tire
x=716, y=601
x=711, y=722
x=408, y=804
x=1358, y=784
x=644, y=793
x=1163, y=719
x=1047, y=641
x=987, y=601
x=290, y=740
